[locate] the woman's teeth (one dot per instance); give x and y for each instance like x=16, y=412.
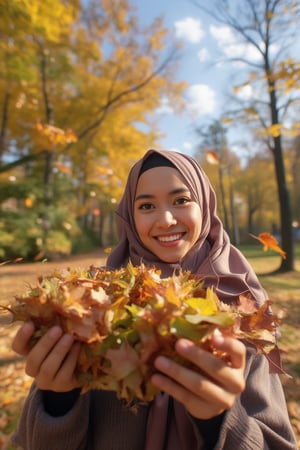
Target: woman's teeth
x=174, y=237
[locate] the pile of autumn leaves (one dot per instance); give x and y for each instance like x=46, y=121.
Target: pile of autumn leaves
x=125, y=318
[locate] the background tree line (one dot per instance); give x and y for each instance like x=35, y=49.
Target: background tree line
x=79, y=85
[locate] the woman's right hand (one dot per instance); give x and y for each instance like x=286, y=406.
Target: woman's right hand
x=52, y=360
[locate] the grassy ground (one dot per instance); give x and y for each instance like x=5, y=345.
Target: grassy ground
x=284, y=291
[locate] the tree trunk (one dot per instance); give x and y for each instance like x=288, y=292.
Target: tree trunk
x=286, y=229
x=223, y=201
x=4, y=124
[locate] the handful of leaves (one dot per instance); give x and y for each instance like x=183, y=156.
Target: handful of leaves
x=125, y=318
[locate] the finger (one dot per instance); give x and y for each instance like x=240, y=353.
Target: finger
x=67, y=369
x=21, y=340
x=71, y=360
x=41, y=349
x=54, y=360
x=233, y=347
x=203, y=408
x=192, y=381
x=215, y=368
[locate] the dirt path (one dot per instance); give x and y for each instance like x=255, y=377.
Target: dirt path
x=13, y=277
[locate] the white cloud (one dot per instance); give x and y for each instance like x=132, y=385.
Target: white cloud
x=231, y=46
x=245, y=92
x=203, y=55
x=189, y=29
x=187, y=145
x=201, y=99
x=164, y=107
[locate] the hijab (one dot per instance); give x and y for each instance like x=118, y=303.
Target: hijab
x=212, y=258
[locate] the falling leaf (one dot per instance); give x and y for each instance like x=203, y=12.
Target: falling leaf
x=269, y=242
x=212, y=157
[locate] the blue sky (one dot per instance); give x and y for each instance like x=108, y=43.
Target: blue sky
x=211, y=82
x=204, y=42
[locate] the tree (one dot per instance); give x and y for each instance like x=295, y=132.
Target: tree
x=80, y=83
x=295, y=175
x=256, y=185
x=268, y=27
x=214, y=148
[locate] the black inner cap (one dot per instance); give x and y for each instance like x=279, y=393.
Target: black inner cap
x=156, y=160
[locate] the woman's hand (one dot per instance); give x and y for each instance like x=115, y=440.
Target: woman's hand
x=52, y=360
x=214, y=389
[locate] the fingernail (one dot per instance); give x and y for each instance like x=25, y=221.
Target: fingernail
x=218, y=337
x=27, y=328
x=162, y=363
x=55, y=332
x=66, y=340
x=183, y=344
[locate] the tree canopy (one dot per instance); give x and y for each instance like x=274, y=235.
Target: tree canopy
x=80, y=82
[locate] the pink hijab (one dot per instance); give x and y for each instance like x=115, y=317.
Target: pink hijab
x=213, y=258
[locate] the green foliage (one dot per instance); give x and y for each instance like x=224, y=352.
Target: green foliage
x=57, y=243
x=42, y=230
x=87, y=241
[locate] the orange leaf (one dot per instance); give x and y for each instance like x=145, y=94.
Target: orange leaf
x=212, y=157
x=269, y=242
x=124, y=360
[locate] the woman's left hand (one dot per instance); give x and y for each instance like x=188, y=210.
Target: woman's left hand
x=213, y=389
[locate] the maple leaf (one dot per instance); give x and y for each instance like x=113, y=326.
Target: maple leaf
x=269, y=242
x=123, y=361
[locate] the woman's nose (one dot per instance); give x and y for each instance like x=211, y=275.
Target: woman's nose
x=166, y=218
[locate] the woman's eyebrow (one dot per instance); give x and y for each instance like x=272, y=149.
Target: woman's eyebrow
x=182, y=190
x=143, y=197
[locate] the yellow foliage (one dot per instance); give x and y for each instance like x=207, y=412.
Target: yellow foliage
x=251, y=111
x=107, y=97
x=55, y=135
x=227, y=120
x=275, y=130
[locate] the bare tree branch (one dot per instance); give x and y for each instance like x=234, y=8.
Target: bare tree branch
x=112, y=100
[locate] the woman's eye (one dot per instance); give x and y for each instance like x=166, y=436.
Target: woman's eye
x=182, y=201
x=146, y=206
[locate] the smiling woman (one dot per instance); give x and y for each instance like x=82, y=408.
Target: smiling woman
x=167, y=220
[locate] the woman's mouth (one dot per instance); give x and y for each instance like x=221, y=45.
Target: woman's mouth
x=169, y=238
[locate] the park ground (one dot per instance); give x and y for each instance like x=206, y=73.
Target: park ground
x=284, y=291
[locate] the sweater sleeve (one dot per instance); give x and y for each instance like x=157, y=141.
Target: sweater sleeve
x=38, y=430
x=259, y=418
x=59, y=403
x=210, y=430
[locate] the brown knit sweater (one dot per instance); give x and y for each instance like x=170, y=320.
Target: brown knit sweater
x=99, y=421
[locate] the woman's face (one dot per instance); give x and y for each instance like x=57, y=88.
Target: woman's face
x=167, y=219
